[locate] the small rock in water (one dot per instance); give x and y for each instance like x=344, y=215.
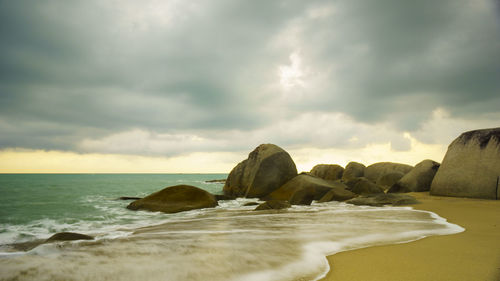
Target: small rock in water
x=129, y=198
x=216, y=181
x=251, y=204
x=68, y=236
x=273, y=205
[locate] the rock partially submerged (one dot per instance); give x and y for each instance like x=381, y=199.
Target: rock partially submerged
x=471, y=166
x=383, y=199
x=175, y=199
x=328, y=171
x=273, y=205
x=68, y=236
x=216, y=181
x=267, y=168
x=58, y=237
x=418, y=179
x=129, y=198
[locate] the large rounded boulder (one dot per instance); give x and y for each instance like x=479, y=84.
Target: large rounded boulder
x=376, y=171
x=353, y=170
x=267, y=168
x=175, y=199
x=471, y=166
x=418, y=179
x=302, y=190
x=328, y=171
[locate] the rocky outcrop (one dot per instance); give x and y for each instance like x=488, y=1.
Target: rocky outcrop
x=273, y=205
x=363, y=186
x=418, y=179
x=353, y=170
x=384, y=199
x=471, y=166
x=68, y=236
x=267, y=168
x=328, y=171
x=58, y=237
x=175, y=199
x=301, y=190
x=376, y=171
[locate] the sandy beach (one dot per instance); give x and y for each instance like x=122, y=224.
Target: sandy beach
x=468, y=256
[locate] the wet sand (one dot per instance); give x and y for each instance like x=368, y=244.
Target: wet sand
x=468, y=256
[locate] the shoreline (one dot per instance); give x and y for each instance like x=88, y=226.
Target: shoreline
x=466, y=256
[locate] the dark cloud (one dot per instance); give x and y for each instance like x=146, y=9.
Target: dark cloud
x=83, y=70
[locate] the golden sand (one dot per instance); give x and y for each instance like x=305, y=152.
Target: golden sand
x=473, y=255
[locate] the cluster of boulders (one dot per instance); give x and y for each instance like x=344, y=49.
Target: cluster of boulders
x=471, y=168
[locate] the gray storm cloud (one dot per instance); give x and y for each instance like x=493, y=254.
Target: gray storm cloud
x=218, y=75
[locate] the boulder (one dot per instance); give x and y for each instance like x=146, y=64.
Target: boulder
x=353, y=170
x=388, y=180
x=376, y=171
x=129, y=198
x=328, y=171
x=363, y=186
x=251, y=204
x=175, y=199
x=337, y=194
x=418, y=179
x=61, y=236
x=273, y=205
x=382, y=199
x=471, y=166
x=267, y=168
x=223, y=197
x=68, y=236
x=301, y=190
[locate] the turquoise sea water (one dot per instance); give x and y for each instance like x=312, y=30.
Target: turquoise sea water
x=36, y=205
x=228, y=242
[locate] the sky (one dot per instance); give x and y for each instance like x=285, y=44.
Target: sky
x=193, y=86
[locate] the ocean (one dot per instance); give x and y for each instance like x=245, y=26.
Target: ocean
x=229, y=242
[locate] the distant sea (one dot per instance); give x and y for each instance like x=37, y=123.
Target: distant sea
x=229, y=242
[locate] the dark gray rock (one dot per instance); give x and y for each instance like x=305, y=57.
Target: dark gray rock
x=175, y=199
x=363, y=186
x=418, y=179
x=353, y=170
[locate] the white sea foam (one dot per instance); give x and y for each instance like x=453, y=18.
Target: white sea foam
x=230, y=242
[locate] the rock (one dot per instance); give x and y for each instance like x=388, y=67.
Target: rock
x=363, y=186
x=337, y=194
x=175, y=199
x=376, y=171
x=273, y=205
x=328, y=171
x=61, y=236
x=301, y=190
x=418, y=179
x=223, y=197
x=68, y=236
x=216, y=181
x=353, y=170
x=384, y=199
x=129, y=198
x=267, y=168
x=388, y=180
x=251, y=204
x=471, y=166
